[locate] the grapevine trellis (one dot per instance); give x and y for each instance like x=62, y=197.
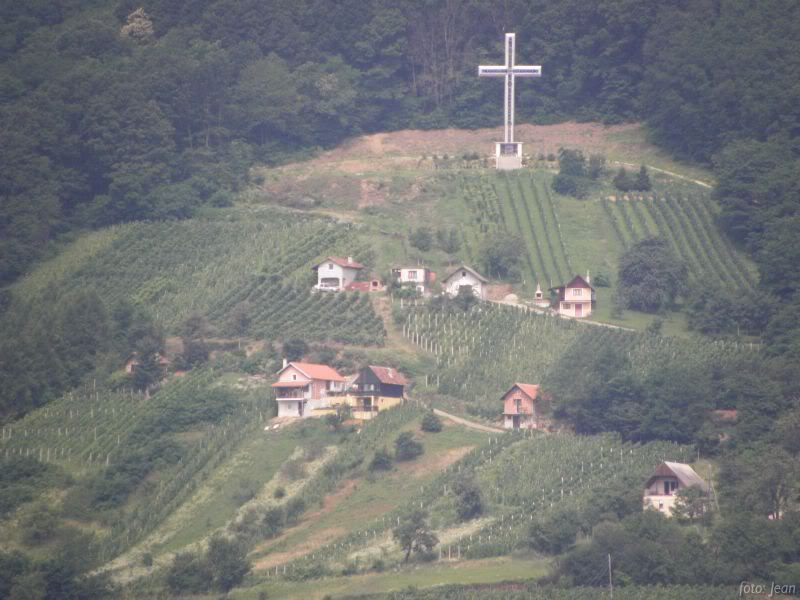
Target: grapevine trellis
x=480, y=353
x=255, y=264
x=686, y=223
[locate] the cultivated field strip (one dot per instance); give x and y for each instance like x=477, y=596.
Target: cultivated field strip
x=686, y=222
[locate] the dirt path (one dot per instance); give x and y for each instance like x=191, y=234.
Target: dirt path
x=540, y=311
x=467, y=423
x=670, y=173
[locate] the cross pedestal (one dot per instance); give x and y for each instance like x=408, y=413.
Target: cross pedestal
x=508, y=153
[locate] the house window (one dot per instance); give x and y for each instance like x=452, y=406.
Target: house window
x=463, y=273
x=294, y=377
x=517, y=404
x=412, y=274
x=330, y=266
x=669, y=487
x=576, y=291
x=567, y=305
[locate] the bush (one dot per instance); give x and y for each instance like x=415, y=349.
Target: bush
x=188, y=573
x=569, y=185
x=554, y=534
x=294, y=508
x=382, y=461
x=468, y=499
x=272, y=522
x=421, y=239
x=406, y=447
x=293, y=469
x=621, y=180
x=431, y=423
x=279, y=492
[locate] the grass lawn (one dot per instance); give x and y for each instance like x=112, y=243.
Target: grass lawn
x=464, y=572
x=360, y=500
x=252, y=464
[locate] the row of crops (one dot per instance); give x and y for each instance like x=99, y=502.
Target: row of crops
x=687, y=223
x=255, y=271
x=91, y=431
x=481, y=353
x=519, y=204
x=521, y=477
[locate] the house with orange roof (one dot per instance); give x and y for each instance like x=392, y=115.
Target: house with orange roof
x=335, y=274
x=525, y=406
x=303, y=388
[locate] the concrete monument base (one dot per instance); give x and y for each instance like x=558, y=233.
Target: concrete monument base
x=508, y=155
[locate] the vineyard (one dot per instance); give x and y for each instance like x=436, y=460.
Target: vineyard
x=687, y=223
x=522, y=205
x=250, y=271
x=91, y=433
x=481, y=353
x=520, y=477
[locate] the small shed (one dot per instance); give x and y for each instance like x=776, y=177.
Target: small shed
x=524, y=407
x=465, y=277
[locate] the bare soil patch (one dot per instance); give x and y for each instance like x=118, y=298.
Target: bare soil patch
x=498, y=291
x=434, y=462
x=315, y=541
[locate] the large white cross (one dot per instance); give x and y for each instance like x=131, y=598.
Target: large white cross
x=510, y=71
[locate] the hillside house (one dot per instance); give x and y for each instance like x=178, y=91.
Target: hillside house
x=419, y=277
x=524, y=407
x=574, y=299
x=666, y=481
x=465, y=277
x=304, y=387
x=334, y=274
x=133, y=362
x=373, y=390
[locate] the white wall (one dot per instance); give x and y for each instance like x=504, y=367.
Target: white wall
x=464, y=277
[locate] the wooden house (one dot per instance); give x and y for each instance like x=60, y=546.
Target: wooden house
x=666, y=481
x=419, y=277
x=525, y=407
x=334, y=274
x=465, y=277
x=303, y=388
x=373, y=390
x=574, y=299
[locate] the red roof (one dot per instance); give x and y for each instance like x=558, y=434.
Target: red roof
x=289, y=384
x=388, y=375
x=315, y=371
x=342, y=262
x=577, y=282
x=528, y=389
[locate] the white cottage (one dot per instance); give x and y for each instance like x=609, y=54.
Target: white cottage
x=419, y=277
x=664, y=483
x=465, y=276
x=336, y=274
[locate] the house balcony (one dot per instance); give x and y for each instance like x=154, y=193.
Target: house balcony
x=292, y=395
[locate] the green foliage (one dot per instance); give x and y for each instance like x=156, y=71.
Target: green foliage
x=406, y=447
x=382, y=461
x=294, y=349
x=573, y=178
x=650, y=277
x=431, y=423
x=421, y=239
x=554, y=534
x=22, y=479
x=468, y=499
x=500, y=256
x=413, y=534
x=622, y=180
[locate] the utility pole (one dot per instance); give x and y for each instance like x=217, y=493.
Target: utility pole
x=610, y=580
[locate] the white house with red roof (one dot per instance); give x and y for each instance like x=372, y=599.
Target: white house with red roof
x=574, y=299
x=525, y=407
x=303, y=387
x=336, y=274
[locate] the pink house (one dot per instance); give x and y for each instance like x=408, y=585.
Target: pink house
x=574, y=299
x=303, y=387
x=524, y=406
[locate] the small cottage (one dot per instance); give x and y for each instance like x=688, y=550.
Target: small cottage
x=524, y=407
x=419, y=277
x=666, y=481
x=373, y=390
x=465, y=277
x=303, y=388
x=334, y=274
x=574, y=299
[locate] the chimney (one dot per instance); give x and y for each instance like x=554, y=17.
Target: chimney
x=349, y=259
x=285, y=363
x=588, y=278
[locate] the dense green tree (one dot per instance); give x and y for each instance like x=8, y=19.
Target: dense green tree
x=413, y=534
x=431, y=423
x=622, y=180
x=227, y=562
x=650, y=276
x=468, y=499
x=294, y=349
x=500, y=255
x=406, y=447
x=421, y=239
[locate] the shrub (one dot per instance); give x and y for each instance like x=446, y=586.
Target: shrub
x=272, y=522
x=279, y=492
x=621, y=180
x=382, y=461
x=431, y=423
x=294, y=508
x=406, y=447
x=554, y=534
x=293, y=469
x=468, y=499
